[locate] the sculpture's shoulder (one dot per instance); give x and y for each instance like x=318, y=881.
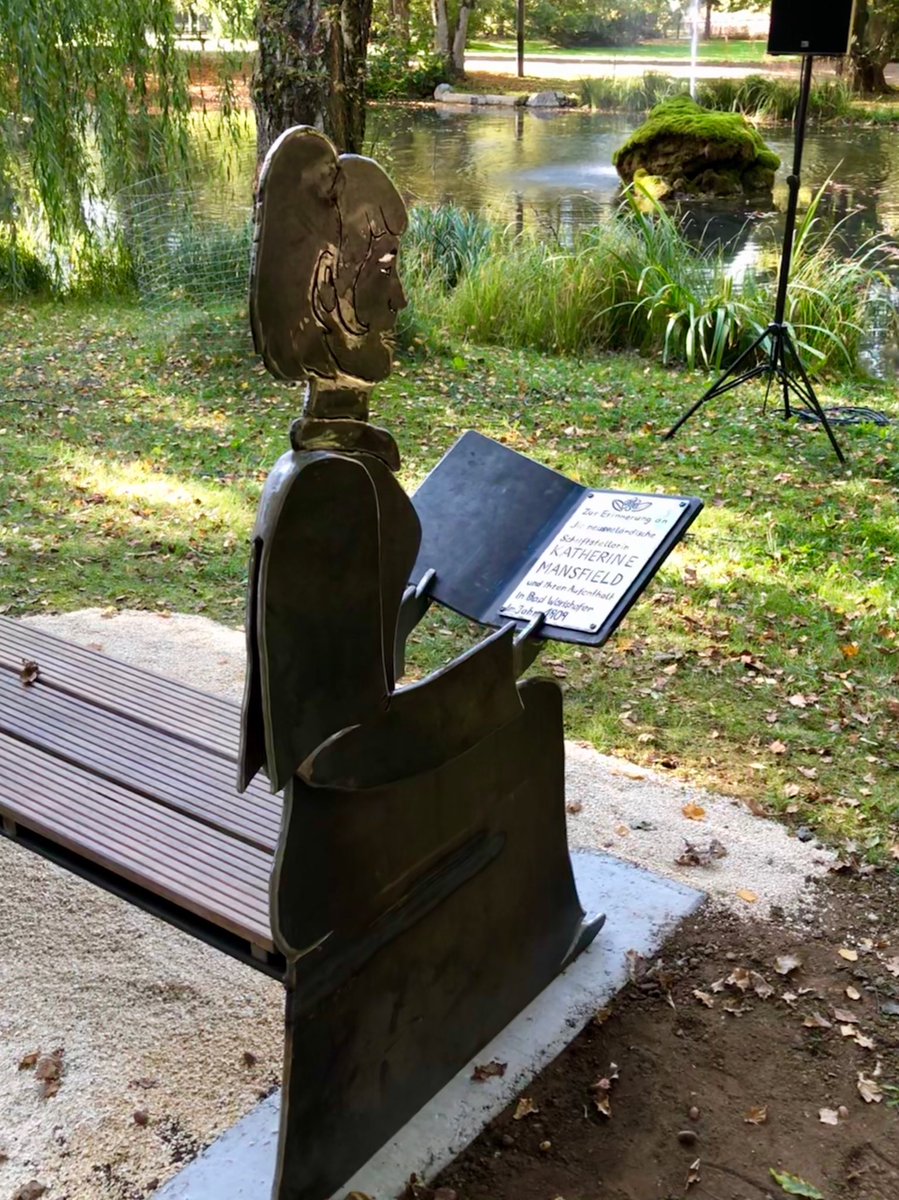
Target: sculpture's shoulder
x=302, y=476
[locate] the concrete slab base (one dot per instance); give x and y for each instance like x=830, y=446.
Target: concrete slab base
x=642, y=910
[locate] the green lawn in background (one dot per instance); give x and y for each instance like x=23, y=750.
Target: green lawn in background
x=763, y=660
x=717, y=50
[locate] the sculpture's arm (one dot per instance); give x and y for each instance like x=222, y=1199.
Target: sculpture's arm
x=415, y=603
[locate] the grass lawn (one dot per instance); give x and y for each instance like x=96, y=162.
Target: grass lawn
x=764, y=660
x=719, y=50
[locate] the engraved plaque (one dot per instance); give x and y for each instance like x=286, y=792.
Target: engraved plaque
x=585, y=572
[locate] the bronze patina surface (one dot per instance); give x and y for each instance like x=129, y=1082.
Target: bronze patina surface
x=422, y=892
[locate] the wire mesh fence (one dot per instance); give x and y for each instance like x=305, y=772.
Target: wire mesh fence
x=186, y=245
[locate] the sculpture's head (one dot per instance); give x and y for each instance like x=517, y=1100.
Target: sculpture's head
x=324, y=289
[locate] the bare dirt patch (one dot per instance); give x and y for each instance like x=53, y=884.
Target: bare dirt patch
x=708, y=1093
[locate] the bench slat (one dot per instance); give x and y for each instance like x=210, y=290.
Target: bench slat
x=196, y=867
x=150, y=762
x=185, y=713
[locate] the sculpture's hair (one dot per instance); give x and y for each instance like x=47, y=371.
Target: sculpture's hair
x=316, y=217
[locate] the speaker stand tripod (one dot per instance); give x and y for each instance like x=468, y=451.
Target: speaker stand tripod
x=781, y=363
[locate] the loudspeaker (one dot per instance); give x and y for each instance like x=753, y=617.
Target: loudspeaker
x=810, y=27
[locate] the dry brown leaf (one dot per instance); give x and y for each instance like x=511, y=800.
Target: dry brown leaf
x=29, y=673
x=848, y=1030
x=757, y=1115
x=490, y=1070
x=892, y=965
x=777, y=747
x=850, y=649
x=735, y=1008
x=694, y=1175
x=27, y=1061
x=693, y=812
x=784, y=964
x=30, y=1191
x=828, y=1116
x=792, y=790
x=798, y=701
x=869, y=1089
x=845, y=1017
x=524, y=1108
x=747, y=895
x=863, y=1040
x=695, y=855
x=816, y=1021
x=849, y=955
x=760, y=985
x=704, y=998
x=48, y=1071
x=739, y=978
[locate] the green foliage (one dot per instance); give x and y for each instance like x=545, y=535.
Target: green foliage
x=92, y=91
x=444, y=243
x=638, y=283
x=22, y=270
x=395, y=72
x=758, y=97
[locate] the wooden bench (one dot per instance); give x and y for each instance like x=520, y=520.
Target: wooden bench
x=128, y=779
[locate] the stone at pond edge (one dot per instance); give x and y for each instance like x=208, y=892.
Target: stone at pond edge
x=683, y=149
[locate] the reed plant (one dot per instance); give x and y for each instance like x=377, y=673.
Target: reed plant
x=639, y=282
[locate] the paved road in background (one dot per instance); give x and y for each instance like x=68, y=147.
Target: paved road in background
x=546, y=66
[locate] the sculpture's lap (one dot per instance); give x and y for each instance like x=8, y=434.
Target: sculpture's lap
x=482, y=914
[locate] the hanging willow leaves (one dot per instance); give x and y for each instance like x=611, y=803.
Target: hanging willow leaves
x=92, y=94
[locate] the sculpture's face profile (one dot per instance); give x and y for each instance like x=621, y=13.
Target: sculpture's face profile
x=324, y=292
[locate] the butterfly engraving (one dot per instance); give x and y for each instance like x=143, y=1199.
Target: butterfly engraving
x=630, y=505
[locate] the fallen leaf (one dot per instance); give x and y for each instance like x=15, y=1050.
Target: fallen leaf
x=757, y=1115
x=792, y=790
x=735, y=1008
x=850, y=649
x=848, y=1030
x=628, y=771
x=695, y=855
x=29, y=1191
x=828, y=1116
x=48, y=1072
x=853, y=993
x=524, y=1108
x=816, y=1021
x=491, y=1070
x=777, y=747
x=798, y=701
x=747, y=895
x=574, y=807
x=693, y=812
x=704, y=998
x=27, y=1061
x=844, y=1016
x=794, y=1186
x=863, y=1040
x=739, y=978
x=869, y=1089
x=784, y=964
x=849, y=955
x=760, y=985
x=29, y=673
x=892, y=965
x=694, y=1176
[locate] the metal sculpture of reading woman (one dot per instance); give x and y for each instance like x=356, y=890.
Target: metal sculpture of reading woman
x=422, y=892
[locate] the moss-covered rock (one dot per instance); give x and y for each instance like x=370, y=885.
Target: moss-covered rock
x=687, y=150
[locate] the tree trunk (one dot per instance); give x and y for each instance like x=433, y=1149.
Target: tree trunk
x=709, y=5
x=870, y=52
x=440, y=18
x=310, y=69
x=400, y=23
x=460, y=37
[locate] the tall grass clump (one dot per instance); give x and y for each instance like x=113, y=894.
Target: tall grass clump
x=23, y=271
x=532, y=294
x=756, y=96
x=638, y=282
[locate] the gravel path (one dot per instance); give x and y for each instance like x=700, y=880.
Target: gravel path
x=168, y=1042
